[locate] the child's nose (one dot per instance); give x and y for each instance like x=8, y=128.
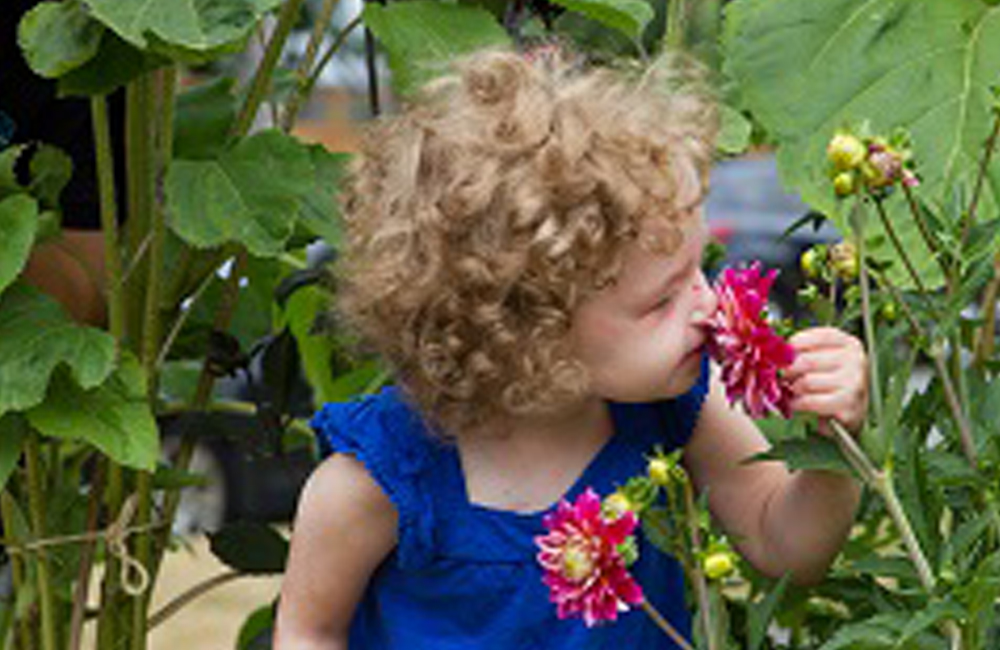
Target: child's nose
x=705, y=302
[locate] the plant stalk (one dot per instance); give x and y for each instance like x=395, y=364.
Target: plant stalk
x=985, y=342
x=87, y=557
x=109, y=215
x=36, y=513
x=260, y=85
x=303, y=74
x=665, y=625
x=23, y=632
x=984, y=165
x=857, y=223
x=673, y=40
x=697, y=574
x=191, y=595
x=898, y=245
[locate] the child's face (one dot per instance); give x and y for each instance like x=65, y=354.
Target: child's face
x=642, y=338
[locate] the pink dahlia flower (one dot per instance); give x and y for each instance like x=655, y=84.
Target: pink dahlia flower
x=584, y=570
x=751, y=354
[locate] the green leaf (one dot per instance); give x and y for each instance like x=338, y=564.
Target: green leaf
x=9, y=183
x=250, y=194
x=114, y=417
x=627, y=16
x=734, y=133
x=320, y=207
x=51, y=170
x=204, y=118
x=253, y=548
x=18, y=222
x=423, y=37
x=192, y=24
x=57, y=37
x=763, y=612
x=36, y=336
x=13, y=432
x=805, y=69
x=876, y=633
x=116, y=63
x=815, y=452
x=254, y=631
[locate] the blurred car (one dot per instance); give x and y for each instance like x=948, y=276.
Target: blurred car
x=750, y=213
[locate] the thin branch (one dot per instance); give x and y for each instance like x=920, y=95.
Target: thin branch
x=190, y=595
x=984, y=164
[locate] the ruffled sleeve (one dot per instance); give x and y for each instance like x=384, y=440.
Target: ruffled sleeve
x=391, y=441
x=680, y=415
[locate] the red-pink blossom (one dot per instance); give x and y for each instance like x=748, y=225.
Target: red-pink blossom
x=751, y=353
x=584, y=569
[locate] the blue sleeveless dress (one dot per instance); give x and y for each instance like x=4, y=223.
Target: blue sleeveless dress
x=464, y=576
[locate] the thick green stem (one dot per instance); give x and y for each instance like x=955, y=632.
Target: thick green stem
x=697, y=574
x=36, y=513
x=109, y=215
x=107, y=621
x=304, y=72
x=23, y=633
x=261, y=83
x=674, y=38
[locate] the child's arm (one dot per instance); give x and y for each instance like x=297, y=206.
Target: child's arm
x=783, y=521
x=344, y=528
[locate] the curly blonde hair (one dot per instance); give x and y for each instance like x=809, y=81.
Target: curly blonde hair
x=478, y=219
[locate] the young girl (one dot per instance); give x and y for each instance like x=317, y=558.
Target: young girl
x=524, y=248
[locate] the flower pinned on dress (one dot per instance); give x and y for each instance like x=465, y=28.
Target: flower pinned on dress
x=752, y=355
x=584, y=558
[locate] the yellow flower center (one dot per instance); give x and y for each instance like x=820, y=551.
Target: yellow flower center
x=577, y=562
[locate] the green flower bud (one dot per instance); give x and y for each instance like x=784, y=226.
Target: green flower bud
x=617, y=504
x=889, y=312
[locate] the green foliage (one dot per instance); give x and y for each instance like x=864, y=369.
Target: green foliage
x=36, y=337
x=250, y=194
x=629, y=17
x=805, y=69
x=114, y=417
x=58, y=37
x=18, y=220
x=422, y=37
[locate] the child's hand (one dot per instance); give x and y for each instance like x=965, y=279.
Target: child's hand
x=829, y=376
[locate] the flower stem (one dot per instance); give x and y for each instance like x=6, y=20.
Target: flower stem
x=109, y=215
x=984, y=163
x=858, y=225
x=303, y=74
x=665, y=625
x=261, y=83
x=36, y=512
x=697, y=575
x=985, y=343
x=894, y=238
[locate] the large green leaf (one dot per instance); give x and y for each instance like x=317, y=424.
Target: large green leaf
x=422, y=37
x=250, y=194
x=18, y=222
x=253, y=548
x=198, y=25
x=320, y=207
x=805, y=69
x=114, y=417
x=116, y=63
x=629, y=17
x=204, y=119
x=57, y=37
x=36, y=336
